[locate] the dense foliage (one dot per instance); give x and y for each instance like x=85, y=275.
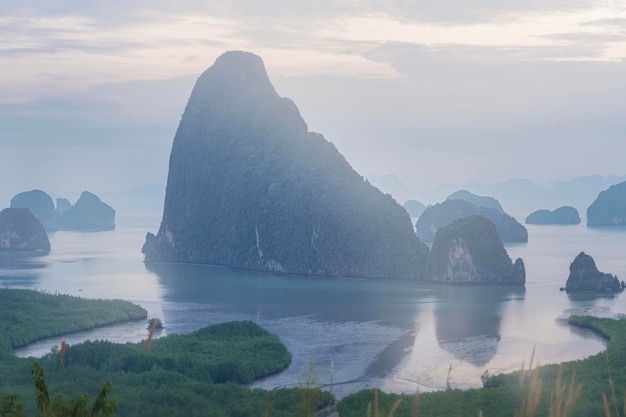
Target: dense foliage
x=177, y=375
x=561, y=215
x=249, y=187
x=609, y=208
x=444, y=213
x=27, y=316
x=601, y=375
x=468, y=250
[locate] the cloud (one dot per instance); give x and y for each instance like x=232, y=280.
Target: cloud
x=611, y=22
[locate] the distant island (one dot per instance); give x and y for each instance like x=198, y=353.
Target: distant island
x=444, y=213
x=20, y=230
x=414, y=208
x=477, y=200
x=469, y=251
x=561, y=215
x=250, y=187
x=88, y=214
x=609, y=208
x=585, y=276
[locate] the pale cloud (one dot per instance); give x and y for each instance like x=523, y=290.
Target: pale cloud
x=430, y=90
x=92, y=42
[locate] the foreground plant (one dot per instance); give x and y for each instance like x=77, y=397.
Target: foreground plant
x=59, y=407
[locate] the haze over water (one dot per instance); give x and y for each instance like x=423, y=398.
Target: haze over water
x=394, y=335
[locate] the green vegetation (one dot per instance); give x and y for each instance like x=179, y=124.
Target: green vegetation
x=537, y=391
x=176, y=375
x=27, y=316
x=155, y=322
x=59, y=407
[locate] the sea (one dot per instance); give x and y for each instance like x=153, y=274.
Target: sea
x=398, y=336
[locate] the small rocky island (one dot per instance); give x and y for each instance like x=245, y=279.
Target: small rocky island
x=88, y=214
x=609, y=208
x=561, y=215
x=444, y=213
x=20, y=230
x=469, y=251
x=584, y=276
x=250, y=187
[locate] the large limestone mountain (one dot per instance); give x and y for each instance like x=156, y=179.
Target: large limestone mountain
x=250, y=187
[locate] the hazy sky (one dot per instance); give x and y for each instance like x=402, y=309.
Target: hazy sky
x=434, y=91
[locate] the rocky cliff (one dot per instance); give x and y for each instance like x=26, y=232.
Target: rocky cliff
x=444, y=213
x=20, y=230
x=40, y=205
x=585, y=276
x=561, y=215
x=609, y=208
x=250, y=187
x=469, y=251
x=88, y=214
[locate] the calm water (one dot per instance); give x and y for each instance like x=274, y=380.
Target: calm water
x=398, y=336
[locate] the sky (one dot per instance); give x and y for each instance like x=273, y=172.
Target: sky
x=434, y=92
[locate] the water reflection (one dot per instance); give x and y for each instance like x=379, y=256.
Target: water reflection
x=467, y=320
x=21, y=268
x=271, y=296
x=13, y=259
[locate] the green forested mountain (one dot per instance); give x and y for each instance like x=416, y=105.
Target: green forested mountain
x=250, y=187
x=468, y=250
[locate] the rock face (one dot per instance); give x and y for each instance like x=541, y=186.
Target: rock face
x=477, y=200
x=20, y=230
x=444, y=213
x=414, y=208
x=88, y=214
x=562, y=215
x=584, y=276
x=250, y=187
x=609, y=208
x=40, y=205
x=469, y=251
